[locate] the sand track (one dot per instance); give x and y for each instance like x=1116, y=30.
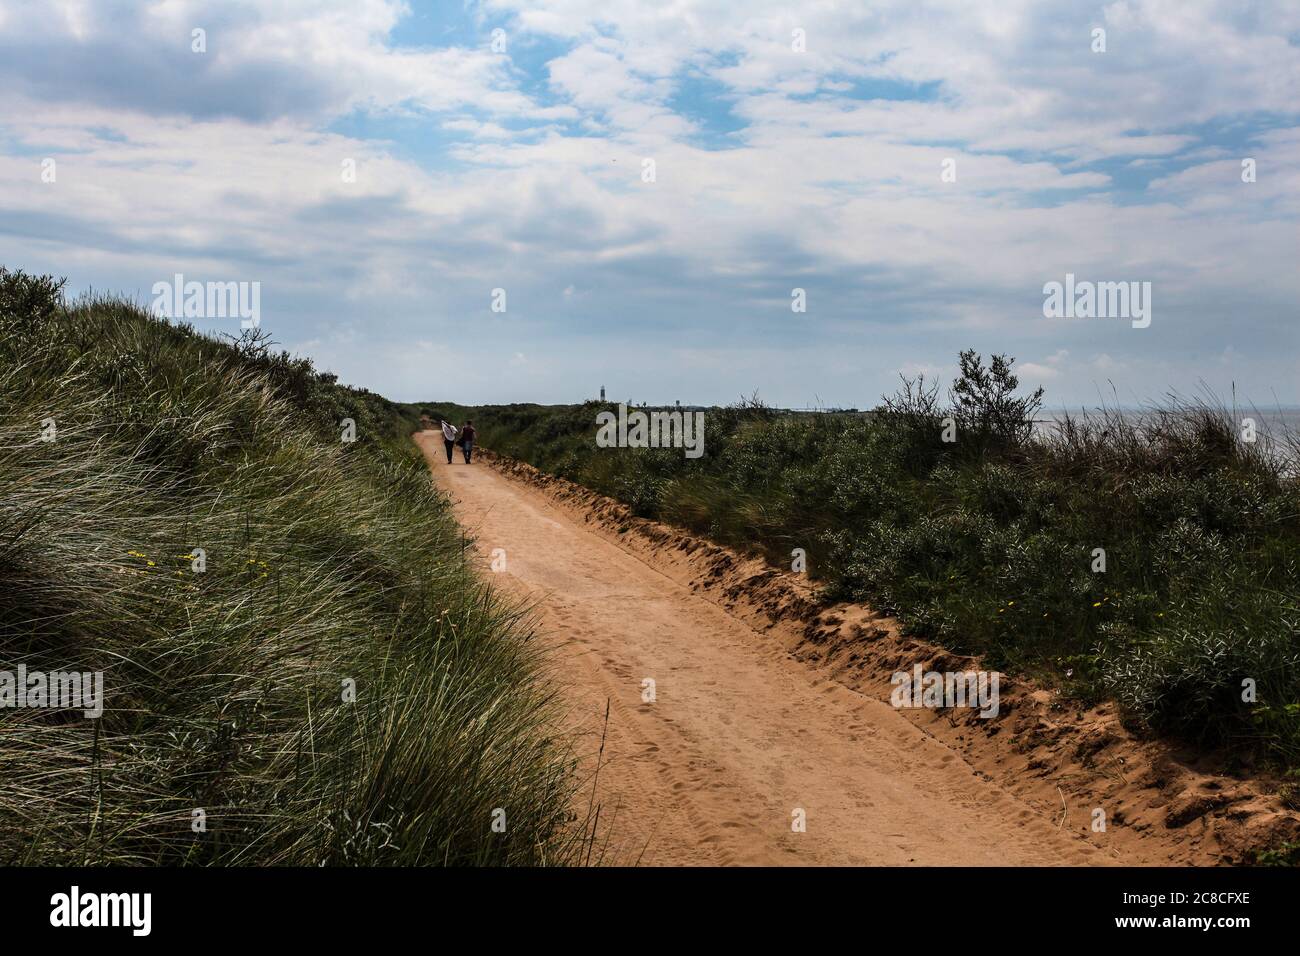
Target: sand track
x=740, y=734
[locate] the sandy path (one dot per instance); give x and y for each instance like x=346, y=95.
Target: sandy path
x=740, y=735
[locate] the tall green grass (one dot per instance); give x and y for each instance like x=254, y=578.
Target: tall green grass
x=226, y=737
x=986, y=544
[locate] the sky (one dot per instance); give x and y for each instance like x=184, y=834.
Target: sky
x=645, y=185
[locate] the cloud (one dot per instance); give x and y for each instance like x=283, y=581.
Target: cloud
x=307, y=59
x=774, y=169
x=1046, y=370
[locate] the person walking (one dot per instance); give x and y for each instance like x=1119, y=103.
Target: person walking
x=467, y=440
x=448, y=438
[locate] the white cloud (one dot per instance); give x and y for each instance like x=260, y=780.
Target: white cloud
x=1046, y=370
x=230, y=166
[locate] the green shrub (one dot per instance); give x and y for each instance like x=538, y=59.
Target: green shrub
x=987, y=543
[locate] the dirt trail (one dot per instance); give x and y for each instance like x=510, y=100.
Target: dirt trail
x=740, y=735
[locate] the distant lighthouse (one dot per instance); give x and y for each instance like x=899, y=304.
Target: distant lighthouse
x=602, y=393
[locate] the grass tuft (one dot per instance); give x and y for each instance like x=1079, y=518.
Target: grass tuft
x=329, y=565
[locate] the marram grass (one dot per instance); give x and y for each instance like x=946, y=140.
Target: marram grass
x=334, y=686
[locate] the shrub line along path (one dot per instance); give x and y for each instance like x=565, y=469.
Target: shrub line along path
x=740, y=734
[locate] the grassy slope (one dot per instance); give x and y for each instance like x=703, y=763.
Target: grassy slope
x=989, y=550
x=326, y=562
